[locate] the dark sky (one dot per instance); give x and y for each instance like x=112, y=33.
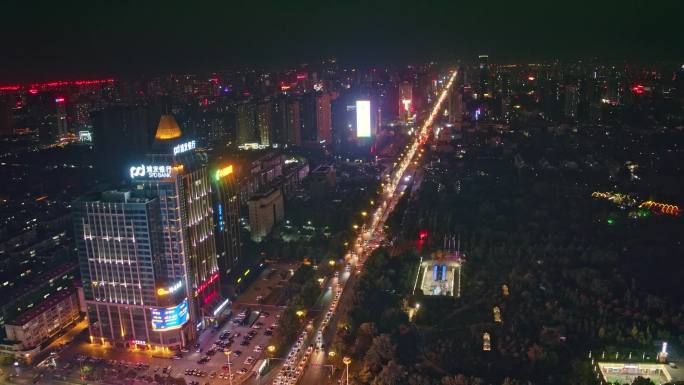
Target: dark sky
x=47, y=39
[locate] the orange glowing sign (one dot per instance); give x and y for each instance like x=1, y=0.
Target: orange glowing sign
x=162, y=291
x=223, y=172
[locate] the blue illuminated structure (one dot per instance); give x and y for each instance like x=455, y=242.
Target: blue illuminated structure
x=170, y=318
x=220, y=217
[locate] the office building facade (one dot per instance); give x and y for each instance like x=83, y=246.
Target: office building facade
x=148, y=255
x=323, y=118
x=266, y=209
x=227, y=215
x=120, y=255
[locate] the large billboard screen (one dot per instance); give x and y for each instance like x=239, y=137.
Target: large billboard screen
x=169, y=318
x=363, y=119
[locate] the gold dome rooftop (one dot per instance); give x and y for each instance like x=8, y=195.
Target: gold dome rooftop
x=167, y=128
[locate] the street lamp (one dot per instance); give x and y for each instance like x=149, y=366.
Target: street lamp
x=230, y=375
x=331, y=353
x=300, y=313
x=346, y=361
x=271, y=348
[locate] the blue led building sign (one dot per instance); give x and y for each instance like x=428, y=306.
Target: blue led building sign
x=169, y=318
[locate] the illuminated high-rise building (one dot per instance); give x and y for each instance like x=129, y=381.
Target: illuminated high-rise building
x=120, y=256
x=455, y=105
x=263, y=122
x=61, y=116
x=227, y=215
x=323, y=118
x=82, y=116
x=571, y=101
x=292, y=124
x=316, y=118
x=483, y=87
x=278, y=120
x=245, y=123
x=405, y=100
x=149, y=256
x=307, y=111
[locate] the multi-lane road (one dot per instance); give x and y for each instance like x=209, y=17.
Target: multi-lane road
x=305, y=365
x=310, y=366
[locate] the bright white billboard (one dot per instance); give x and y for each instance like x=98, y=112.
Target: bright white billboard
x=363, y=119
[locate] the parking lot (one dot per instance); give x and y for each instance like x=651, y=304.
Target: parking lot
x=241, y=344
x=242, y=341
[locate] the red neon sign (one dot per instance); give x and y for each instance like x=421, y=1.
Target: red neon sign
x=210, y=297
x=74, y=83
x=206, y=283
x=59, y=100
x=638, y=89
x=33, y=87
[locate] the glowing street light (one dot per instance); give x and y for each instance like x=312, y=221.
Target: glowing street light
x=346, y=361
x=230, y=374
x=331, y=262
x=331, y=353
x=300, y=313
x=271, y=348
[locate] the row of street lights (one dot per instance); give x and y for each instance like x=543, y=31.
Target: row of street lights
x=390, y=188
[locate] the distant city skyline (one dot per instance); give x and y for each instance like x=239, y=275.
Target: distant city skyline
x=93, y=39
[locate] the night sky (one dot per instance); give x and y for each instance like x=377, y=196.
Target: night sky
x=44, y=40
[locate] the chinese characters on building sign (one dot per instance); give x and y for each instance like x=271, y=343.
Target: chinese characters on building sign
x=183, y=147
x=170, y=318
x=158, y=171
x=169, y=290
x=225, y=171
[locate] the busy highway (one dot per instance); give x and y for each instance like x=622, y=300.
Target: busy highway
x=306, y=360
